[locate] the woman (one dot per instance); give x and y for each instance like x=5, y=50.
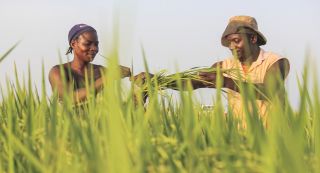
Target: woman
x=83, y=42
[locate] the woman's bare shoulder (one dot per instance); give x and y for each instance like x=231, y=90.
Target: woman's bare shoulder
x=99, y=67
x=55, y=70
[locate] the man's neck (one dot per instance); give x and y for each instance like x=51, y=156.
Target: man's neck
x=252, y=57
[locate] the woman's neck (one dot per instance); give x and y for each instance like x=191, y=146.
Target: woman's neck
x=79, y=66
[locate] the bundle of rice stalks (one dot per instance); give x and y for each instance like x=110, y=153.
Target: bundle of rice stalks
x=164, y=81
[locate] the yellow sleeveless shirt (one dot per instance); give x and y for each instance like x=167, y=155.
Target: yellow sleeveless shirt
x=255, y=74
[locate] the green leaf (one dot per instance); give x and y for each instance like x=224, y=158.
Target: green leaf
x=2, y=57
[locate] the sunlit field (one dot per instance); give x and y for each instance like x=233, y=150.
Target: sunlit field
x=112, y=133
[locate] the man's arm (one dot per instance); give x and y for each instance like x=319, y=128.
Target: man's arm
x=205, y=80
x=272, y=83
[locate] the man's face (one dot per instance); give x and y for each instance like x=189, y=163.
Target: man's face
x=240, y=45
x=86, y=46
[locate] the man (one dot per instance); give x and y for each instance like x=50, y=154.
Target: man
x=249, y=64
x=266, y=70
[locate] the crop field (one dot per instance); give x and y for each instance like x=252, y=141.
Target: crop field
x=112, y=133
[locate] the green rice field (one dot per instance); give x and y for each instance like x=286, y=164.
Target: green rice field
x=109, y=133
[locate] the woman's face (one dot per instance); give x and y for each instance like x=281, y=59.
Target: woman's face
x=86, y=46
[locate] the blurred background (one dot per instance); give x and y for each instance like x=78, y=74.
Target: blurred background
x=175, y=34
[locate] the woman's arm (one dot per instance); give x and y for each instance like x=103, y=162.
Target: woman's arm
x=79, y=95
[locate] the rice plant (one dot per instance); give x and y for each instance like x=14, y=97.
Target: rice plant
x=109, y=133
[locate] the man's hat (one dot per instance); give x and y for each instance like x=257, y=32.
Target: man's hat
x=242, y=25
x=77, y=30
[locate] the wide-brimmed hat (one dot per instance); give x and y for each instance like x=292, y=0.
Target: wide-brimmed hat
x=241, y=25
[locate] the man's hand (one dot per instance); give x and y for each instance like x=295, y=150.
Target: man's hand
x=209, y=78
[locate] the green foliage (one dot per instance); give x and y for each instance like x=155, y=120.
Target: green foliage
x=2, y=57
x=110, y=132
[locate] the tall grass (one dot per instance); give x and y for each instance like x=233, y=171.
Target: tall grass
x=109, y=133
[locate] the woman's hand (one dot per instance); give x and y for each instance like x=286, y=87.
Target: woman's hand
x=125, y=71
x=141, y=78
x=98, y=84
x=140, y=95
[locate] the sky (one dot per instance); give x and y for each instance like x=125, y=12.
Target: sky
x=175, y=34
